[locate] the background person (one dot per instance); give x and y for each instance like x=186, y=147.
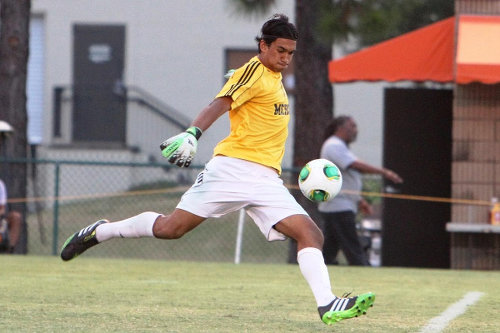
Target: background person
x=339, y=214
x=10, y=223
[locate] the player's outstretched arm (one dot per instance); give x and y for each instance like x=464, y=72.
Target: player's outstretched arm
x=212, y=112
x=181, y=149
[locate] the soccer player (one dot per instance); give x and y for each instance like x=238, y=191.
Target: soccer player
x=243, y=173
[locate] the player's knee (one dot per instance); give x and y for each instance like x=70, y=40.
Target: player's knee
x=314, y=236
x=311, y=236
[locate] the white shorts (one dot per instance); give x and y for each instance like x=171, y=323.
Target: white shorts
x=228, y=184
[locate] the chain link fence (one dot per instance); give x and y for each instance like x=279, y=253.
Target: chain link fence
x=65, y=196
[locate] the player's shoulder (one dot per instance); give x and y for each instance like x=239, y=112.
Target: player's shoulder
x=251, y=70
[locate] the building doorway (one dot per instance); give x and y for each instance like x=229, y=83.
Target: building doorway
x=99, y=106
x=417, y=145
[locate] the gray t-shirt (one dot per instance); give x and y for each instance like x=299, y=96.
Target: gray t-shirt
x=336, y=150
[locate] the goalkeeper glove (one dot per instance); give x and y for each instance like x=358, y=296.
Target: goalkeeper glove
x=180, y=149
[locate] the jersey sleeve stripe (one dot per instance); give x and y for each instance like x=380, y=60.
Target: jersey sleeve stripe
x=247, y=75
x=242, y=79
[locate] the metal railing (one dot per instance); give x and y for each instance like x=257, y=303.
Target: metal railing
x=148, y=119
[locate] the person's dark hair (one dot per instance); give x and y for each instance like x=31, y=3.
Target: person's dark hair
x=277, y=27
x=334, y=125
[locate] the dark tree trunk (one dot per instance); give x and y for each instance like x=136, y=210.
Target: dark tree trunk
x=313, y=95
x=14, y=49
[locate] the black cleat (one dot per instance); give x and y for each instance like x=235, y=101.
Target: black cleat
x=80, y=241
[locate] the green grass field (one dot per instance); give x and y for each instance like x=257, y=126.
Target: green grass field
x=44, y=294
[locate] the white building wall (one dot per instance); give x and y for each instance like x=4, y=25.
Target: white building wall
x=364, y=101
x=174, y=49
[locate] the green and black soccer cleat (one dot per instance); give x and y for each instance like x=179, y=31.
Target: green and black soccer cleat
x=80, y=241
x=346, y=307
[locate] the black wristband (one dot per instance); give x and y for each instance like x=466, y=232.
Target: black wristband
x=195, y=131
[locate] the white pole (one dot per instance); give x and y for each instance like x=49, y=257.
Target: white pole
x=239, y=236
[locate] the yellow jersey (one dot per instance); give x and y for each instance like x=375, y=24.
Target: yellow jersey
x=258, y=117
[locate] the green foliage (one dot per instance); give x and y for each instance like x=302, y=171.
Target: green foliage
x=251, y=8
x=379, y=20
x=373, y=185
x=335, y=20
x=372, y=21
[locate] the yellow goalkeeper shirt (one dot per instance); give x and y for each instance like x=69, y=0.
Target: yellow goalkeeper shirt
x=258, y=117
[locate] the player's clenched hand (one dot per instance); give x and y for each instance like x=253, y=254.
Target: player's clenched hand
x=180, y=149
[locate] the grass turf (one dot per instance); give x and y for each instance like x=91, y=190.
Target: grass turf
x=43, y=294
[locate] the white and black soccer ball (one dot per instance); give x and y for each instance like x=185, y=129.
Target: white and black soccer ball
x=320, y=180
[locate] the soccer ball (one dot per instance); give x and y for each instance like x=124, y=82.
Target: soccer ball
x=320, y=180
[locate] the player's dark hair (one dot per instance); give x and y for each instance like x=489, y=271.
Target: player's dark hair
x=334, y=125
x=276, y=27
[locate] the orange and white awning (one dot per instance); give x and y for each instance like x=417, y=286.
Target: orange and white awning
x=428, y=54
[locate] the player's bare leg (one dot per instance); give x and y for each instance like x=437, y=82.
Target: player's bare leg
x=176, y=225
x=303, y=230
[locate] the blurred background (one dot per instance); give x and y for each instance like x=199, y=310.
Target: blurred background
x=90, y=89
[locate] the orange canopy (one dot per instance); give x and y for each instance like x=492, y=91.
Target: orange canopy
x=421, y=55
x=428, y=54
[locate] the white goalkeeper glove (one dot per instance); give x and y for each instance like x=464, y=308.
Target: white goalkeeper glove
x=180, y=149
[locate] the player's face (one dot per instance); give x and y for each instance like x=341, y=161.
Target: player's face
x=278, y=55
